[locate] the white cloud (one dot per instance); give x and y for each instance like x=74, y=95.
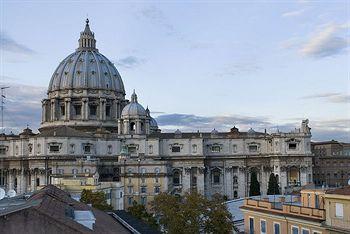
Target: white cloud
x=330, y=97
x=326, y=42
x=293, y=13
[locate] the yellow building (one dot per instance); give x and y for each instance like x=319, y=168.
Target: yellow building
x=314, y=211
x=337, y=205
x=142, y=180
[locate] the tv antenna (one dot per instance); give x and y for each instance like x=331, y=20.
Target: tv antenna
x=2, y=106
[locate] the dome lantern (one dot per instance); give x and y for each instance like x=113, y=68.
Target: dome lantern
x=87, y=38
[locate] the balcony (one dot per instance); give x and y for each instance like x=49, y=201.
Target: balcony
x=284, y=208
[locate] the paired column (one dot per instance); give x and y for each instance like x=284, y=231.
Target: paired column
x=102, y=109
x=228, y=182
x=53, y=109
x=67, y=107
x=85, y=108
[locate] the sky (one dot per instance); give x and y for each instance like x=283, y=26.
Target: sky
x=198, y=65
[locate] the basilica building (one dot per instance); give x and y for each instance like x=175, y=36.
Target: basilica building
x=93, y=137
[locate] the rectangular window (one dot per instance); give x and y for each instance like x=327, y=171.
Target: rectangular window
x=143, y=189
x=93, y=109
x=144, y=200
x=305, y=231
x=295, y=230
x=63, y=112
x=130, y=189
x=215, y=149
x=74, y=171
x=132, y=150
x=253, y=148
x=234, y=148
x=339, y=212
x=156, y=189
x=251, y=225
x=276, y=228
x=3, y=150
x=60, y=171
x=54, y=148
x=150, y=149
x=130, y=200
x=175, y=149
x=87, y=149
x=108, y=111
x=37, y=181
x=77, y=109
x=262, y=226
x=292, y=146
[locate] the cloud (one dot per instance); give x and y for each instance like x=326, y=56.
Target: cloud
x=239, y=69
x=293, y=13
x=326, y=42
x=330, y=97
x=338, y=129
x=130, y=62
x=22, y=106
x=9, y=44
x=157, y=17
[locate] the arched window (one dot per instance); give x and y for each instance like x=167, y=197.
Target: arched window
x=176, y=178
x=142, y=127
x=216, y=176
x=132, y=126
x=235, y=194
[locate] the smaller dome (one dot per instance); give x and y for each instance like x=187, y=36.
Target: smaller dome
x=133, y=109
x=153, y=122
x=251, y=131
x=214, y=131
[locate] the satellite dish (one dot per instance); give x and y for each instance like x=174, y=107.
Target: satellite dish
x=11, y=193
x=2, y=193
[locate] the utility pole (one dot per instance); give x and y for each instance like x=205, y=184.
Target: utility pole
x=2, y=107
x=2, y=182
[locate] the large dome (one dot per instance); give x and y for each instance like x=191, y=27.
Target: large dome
x=86, y=91
x=86, y=69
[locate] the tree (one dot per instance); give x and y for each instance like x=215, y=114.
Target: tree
x=192, y=213
x=139, y=211
x=273, y=187
x=96, y=199
x=254, y=189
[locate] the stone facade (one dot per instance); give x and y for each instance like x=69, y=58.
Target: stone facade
x=331, y=163
x=92, y=137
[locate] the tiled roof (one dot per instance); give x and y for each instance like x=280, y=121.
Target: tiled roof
x=50, y=210
x=63, y=131
x=340, y=191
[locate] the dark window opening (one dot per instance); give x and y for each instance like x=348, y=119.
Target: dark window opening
x=132, y=150
x=216, y=176
x=93, y=109
x=54, y=148
x=77, y=109
x=63, y=110
x=253, y=148
x=292, y=146
x=176, y=178
x=175, y=149
x=132, y=126
x=108, y=111
x=37, y=181
x=87, y=149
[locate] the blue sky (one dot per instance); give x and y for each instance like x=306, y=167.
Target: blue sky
x=198, y=65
